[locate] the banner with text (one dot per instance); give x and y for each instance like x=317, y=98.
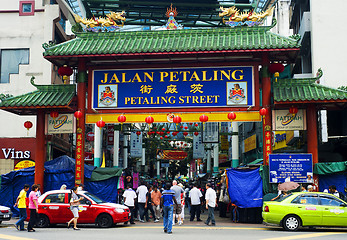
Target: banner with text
x=135, y=145
x=177, y=88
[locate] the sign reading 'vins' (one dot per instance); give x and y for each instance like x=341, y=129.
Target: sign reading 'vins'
x=196, y=87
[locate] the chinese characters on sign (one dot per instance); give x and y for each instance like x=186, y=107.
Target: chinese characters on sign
x=183, y=87
x=79, y=152
x=291, y=167
x=268, y=144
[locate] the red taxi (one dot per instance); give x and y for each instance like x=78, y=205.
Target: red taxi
x=54, y=208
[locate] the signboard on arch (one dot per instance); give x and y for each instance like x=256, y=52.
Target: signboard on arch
x=173, y=88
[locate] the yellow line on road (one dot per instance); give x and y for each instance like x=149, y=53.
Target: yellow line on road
x=9, y=237
x=312, y=235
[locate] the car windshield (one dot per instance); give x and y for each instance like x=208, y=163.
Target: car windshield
x=94, y=198
x=282, y=197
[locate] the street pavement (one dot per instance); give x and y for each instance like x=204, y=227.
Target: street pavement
x=224, y=229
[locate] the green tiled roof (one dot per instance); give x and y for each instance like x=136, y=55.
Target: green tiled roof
x=216, y=39
x=298, y=90
x=44, y=96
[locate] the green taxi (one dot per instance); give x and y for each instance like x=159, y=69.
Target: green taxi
x=306, y=209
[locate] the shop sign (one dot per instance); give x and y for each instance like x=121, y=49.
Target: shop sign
x=224, y=144
x=250, y=143
x=62, y=124
x=173, y=88
x=135, y=145
x=198, y=147
x=24, y=164
x=291, y=168
x=90, y=136
x=110, y=134
x=284, y=120
x=12, y=153
x=210, y=132
x=223, y=158
x=279, y=140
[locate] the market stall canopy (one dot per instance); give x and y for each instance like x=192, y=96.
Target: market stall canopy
x=57, y=97
x=223, y=44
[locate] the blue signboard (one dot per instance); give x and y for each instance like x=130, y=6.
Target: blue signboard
x=173, y=88
x=291, y=168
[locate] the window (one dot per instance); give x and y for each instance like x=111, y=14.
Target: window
x=306, y=200
x=26, y=8
x=55, y=198
x=10, y=60
x=330, y=201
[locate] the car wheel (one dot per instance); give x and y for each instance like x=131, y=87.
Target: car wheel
x=291, y=223
x=105, y=221
x=42, y=221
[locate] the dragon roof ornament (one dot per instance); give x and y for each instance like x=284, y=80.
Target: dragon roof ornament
x=233, y=17
x=112, y=22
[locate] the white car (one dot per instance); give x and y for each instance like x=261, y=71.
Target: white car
x=5, y=213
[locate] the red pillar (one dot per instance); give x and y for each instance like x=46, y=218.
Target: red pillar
x=81, y=106
x=40, y=151
x=266, y=103
x=312, y=137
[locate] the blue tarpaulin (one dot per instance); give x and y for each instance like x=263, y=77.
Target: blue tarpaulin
x=245, y=187
x=57, y=172
x=339, y=180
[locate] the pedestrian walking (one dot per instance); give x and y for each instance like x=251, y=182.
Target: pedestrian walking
x=211, y=203
x=195, y=201
x=149, y=204
x=33, y=207
x=142, y=199
x=177, y=208
x=74, y=203
x=129, y=201
x=21, y=204
x=156, y=196
x=167, y=201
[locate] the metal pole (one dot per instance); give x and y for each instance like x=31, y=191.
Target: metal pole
x=235, y=144
x=116, y=149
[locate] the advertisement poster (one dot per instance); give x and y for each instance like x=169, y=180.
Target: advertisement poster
x=291, y=168
x=174, y=87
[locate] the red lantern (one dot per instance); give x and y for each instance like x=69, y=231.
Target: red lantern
x=54, y=114
x=185, y=133
x=168, y=132
x=177, y=119
x=138, y=133
x=166, y=136
x=163, y=129
x=276, y=69
x=161, y=138
x=28, y=125
x=78, y=114
x=293, y=110
x=181, y=126
x=149, y=120
x=263, y=111
x=100, y=124
x=174, y=134
x=203, y=118
x=196, y=133
x=121, y=119
x=185, y=127
x=190, y=123
x=231, y=116
x=65, y=72
x=196, y=125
